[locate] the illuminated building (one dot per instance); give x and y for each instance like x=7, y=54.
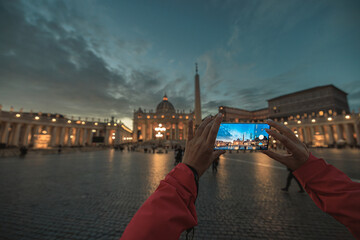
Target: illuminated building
x=174, y=122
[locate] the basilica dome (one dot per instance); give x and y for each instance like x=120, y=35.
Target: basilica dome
x=165, y=106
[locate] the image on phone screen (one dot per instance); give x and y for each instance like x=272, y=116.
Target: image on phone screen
x=242, y=136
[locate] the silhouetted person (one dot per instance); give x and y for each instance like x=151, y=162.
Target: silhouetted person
x=215, y=164
x=178, y=155
x=288, y=181
x=23, y=151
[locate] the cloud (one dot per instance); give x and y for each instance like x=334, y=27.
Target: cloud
x=47, y=65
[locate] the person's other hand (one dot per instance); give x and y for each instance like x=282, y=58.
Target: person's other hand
x=199, y=152
x=298, y=153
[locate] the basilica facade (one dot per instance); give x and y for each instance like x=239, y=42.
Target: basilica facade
x=166, y=123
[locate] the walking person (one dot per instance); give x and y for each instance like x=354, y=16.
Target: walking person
x=215, y=164
x=288, y=182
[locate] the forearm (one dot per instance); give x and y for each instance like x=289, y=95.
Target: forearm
x=332, y=191
x=168, y=211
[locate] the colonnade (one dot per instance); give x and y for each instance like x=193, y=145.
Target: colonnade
x=18, y=129
x=329, y=131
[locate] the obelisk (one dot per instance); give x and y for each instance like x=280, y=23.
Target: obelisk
x=197, y=98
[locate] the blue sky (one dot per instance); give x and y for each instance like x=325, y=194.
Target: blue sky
x=106, y=58
x=230, y=131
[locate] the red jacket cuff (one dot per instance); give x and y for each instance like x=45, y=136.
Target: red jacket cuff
x=185, y=177
x=312, y=167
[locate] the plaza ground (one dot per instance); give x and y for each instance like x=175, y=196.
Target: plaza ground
x=93, y=195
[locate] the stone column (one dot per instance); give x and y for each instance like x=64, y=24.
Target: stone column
x=312, y=133
x=349, y=137
x=177, y=131
x=53, y=136
x=15, y=140
x=338, y=132
x=151, y=125
x=35, y=132
x=143, y=132
x=306, y=135
x=106, y=137
x=69, y=134
x=90, y=136
x=25, y=138
x=135, y=131
x=321, y=131
x=84, y=137
x=329, y=135
x=5, y=133
x=357, y=132
x=185, y=131
x=117, y=136
x=62, y=136
x=77, y=136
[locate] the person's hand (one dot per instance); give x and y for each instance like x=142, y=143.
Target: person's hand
x=199, y=152
x=298, y=153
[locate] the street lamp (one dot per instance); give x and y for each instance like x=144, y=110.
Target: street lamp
x=159, y=131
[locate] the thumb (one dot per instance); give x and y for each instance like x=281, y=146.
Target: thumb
x=216, y=154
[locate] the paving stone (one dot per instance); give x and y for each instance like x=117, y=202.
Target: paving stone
x=93, y=195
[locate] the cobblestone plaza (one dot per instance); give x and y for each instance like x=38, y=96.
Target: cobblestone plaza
x=94, y=195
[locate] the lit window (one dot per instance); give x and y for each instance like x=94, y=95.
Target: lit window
x=96, y=124
x=313, y=120
x=321, y=113
x=347, y=116
x=109, y=124
x=155, y=116
x=69, y=121
x=329, y=119
x=53, y=120
x=285, y=123
x=173, y=116
x=187, y=117
x=180, y=117
x=299, y=122
x=148, y=116
x=37, y=118
x=330, y=111
x=83, y=123
x=18, y=115
x=162, y=116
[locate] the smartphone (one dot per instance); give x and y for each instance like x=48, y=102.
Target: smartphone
x=242, y=136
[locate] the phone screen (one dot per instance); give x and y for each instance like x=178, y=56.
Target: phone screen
x=242, y=136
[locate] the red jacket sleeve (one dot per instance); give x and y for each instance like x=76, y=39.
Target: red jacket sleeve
x=332, y=191
x=169, y=211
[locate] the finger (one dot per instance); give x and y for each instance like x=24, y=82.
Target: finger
x=283, y=129
x=214, y=129
x=217, y=154
x=190, y=130
x=206, y=131
x=278, y=157
x=202, y=126
x=289, y=144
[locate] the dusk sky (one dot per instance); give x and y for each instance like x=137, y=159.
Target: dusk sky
x=107, y=58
